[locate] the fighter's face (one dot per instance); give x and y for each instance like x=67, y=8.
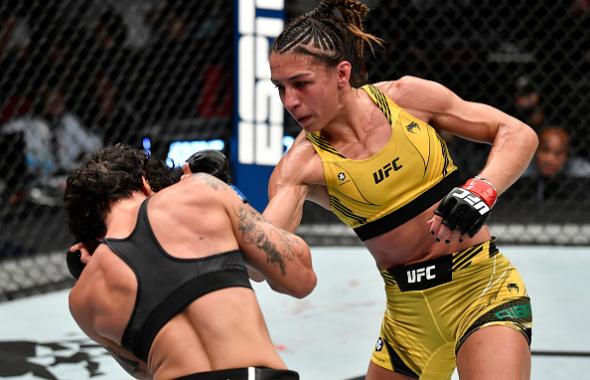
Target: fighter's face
x=308, y=89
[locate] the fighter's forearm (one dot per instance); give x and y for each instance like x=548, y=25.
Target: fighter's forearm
x=285, y=208
x=511, y=153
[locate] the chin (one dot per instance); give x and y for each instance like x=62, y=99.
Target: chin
x=311, y=127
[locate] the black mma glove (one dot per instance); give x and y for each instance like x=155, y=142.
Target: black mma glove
x=210, y=161
x=466, y=208
x=74, y=261
x=75, y=264
x=213, y=162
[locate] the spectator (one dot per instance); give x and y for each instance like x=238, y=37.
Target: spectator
x=15, y=39
x=55, y=141
x=527, y=103
x=553, y=156
x=110, y=114
x=553, y=173
x=181, y=74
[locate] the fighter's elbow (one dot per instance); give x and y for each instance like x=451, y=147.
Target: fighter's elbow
x=528, y=138
x=519, y=132
x=531, y=137
x=299, y=287
x=305, y=286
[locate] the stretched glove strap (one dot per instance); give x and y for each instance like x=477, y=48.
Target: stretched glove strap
x=485, y=190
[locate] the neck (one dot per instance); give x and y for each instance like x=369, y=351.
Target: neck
x=123, y=214
x=351, y=121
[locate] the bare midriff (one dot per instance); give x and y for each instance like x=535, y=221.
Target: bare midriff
x=413, y=242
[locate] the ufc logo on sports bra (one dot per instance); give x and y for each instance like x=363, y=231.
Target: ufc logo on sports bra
x=385, y=171
x=472, y=199
x=416, y=275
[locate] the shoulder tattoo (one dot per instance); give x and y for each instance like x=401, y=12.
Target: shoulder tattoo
x=279, y=250
x=210, y=180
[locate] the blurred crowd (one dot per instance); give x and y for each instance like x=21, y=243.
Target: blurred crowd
x=530, y=59
x=80, y=75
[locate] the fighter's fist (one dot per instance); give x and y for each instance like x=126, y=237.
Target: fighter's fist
x=466, y=208
x=210, y=161
x=213, y=162
x=74, y=257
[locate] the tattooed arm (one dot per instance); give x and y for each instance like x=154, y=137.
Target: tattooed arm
x=280, y=257
x=283, y=258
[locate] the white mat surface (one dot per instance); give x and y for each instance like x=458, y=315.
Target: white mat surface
x=329, y=334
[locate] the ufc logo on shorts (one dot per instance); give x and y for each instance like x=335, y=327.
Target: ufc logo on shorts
x=416, y=275
x=472, y=199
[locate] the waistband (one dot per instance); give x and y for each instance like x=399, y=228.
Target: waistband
x=430, y=273
x=249, y=373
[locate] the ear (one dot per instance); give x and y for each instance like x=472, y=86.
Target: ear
x=343, y=71
x=186, y=169
x=146, y=188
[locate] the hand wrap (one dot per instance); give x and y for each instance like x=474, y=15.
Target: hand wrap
x=466, y=208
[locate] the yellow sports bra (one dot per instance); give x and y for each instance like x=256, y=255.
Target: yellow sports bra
x=413, y=171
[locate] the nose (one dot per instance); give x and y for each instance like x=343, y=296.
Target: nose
x=290, y=100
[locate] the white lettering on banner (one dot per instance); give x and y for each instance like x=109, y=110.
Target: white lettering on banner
x=260, y=112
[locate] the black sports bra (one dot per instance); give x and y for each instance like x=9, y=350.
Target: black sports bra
x=166, y=284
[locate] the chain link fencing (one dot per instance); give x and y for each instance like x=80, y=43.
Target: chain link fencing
x=530, y=59
x=77, y=75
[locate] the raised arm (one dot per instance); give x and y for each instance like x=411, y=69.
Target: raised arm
x=513, y=142
x=464, y=210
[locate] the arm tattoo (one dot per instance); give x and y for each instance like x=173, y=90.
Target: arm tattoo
x=210, y=180
x=131, y=366
x=253, y=233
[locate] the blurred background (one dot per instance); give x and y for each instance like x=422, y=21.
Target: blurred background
x=76, y=75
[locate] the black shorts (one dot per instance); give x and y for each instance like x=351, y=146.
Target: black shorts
x=250, y=373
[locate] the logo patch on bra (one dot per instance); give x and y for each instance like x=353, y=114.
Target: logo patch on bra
x=413, y=125
x=385, y=171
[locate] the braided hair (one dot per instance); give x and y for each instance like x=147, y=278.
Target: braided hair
x=111, y=174
x=329, y=37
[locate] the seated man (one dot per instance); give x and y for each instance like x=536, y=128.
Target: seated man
x=164, y=285
x=553, y=172
x=55, y=143
x=553, y=157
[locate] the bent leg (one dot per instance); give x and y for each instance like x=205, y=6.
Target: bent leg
x=493, y=353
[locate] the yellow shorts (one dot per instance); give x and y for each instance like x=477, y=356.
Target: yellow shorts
x=433, y=306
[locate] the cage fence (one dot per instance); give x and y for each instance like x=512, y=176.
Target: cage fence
x=148, y=72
